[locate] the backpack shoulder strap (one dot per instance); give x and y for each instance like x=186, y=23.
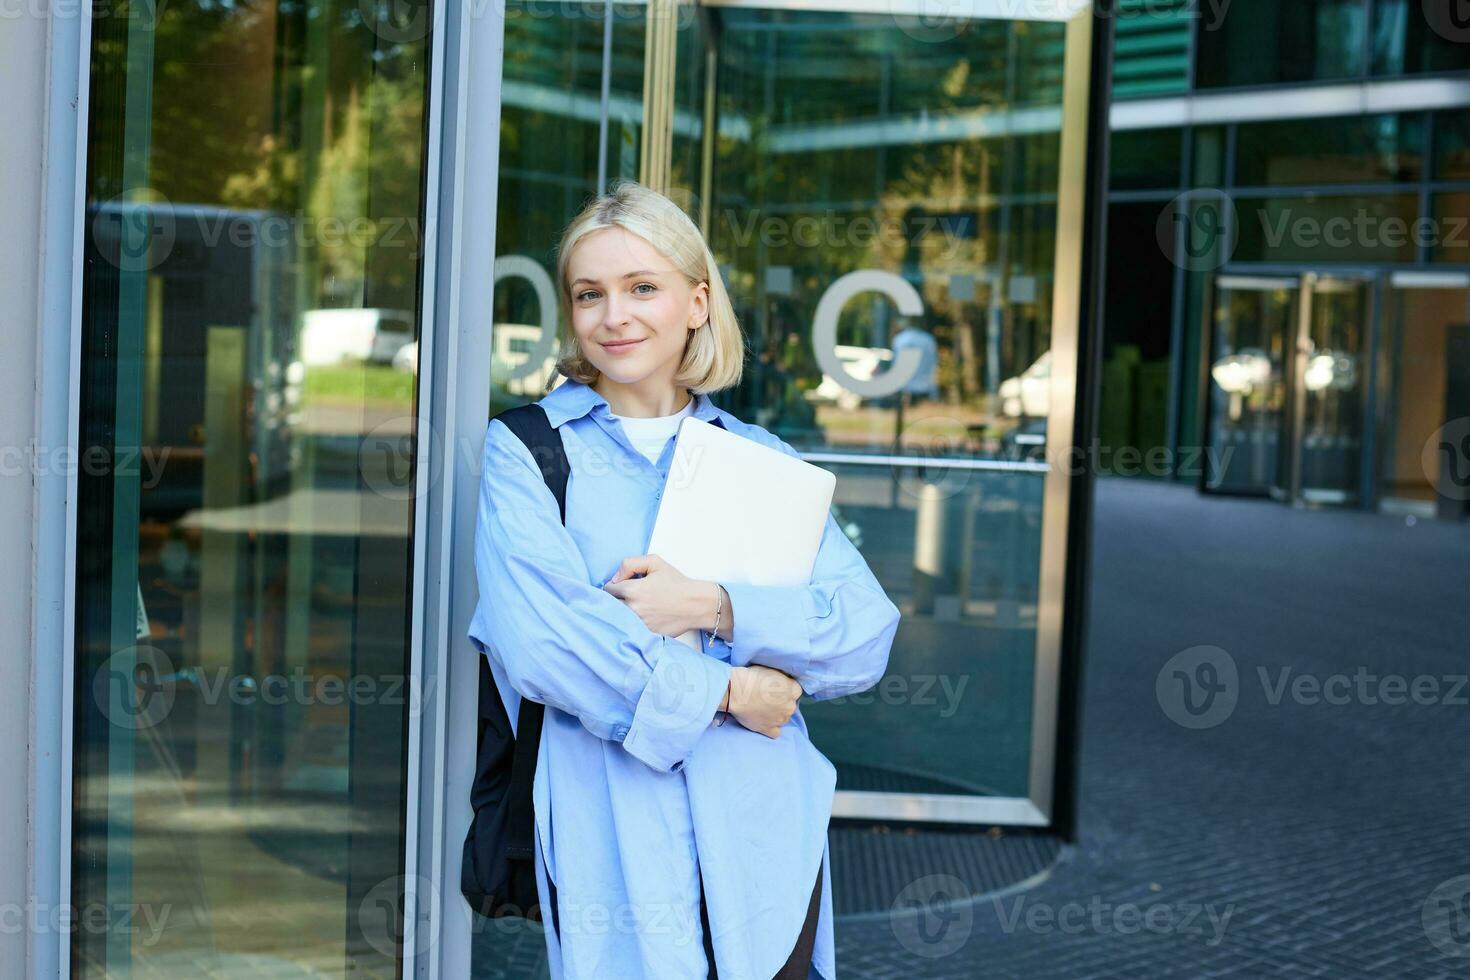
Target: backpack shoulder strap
x=532, y=427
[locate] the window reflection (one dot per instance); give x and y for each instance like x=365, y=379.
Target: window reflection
x=1264, y=42
x=249, y=356
x=880, y=194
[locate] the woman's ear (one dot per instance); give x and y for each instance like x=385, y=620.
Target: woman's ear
x=699, y=305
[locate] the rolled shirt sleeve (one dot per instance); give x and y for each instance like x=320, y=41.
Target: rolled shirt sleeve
x=832, y=635
x=568, y=644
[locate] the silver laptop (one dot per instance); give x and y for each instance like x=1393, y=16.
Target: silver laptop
x=734, y=510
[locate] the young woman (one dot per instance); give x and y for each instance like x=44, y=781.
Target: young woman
x=681, y=810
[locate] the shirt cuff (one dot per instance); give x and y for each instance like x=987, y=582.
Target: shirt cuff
x=677, y=704
x=770, y=627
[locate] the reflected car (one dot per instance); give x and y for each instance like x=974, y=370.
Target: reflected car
x=335, y=335
x=863, y=363
x=1028, y=395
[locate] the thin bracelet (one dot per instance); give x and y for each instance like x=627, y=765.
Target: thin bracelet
x=719, y=605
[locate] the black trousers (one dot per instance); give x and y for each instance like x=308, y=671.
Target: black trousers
x=798, y=964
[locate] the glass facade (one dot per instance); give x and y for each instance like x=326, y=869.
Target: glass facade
x=812, y=147
x=1265, y=42
x=252, y=264
x=1334, y=209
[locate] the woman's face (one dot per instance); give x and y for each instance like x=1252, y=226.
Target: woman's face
x=631, y=309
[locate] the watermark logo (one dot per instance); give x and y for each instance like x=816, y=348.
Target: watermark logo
x=1446, y=459
x=933, y=916
x=1446, y=916
x=136, y=230
x=396, y=21
x=1198, y=687
x=387, y=458
x=1199, y=230
x=1450, y=19
x=396, y=910
x=1101, y=917
x=937, y=437
x=134, y=687
x=933, y=21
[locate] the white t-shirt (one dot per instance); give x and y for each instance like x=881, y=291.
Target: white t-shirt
x=650, y=435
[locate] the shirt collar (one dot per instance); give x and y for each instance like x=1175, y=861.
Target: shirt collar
x=573, y=399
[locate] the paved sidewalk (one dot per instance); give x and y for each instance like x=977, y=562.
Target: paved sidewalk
x=1289, y=836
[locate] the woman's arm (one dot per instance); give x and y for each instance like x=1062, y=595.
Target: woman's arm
x=567, y=643
x=832, y=635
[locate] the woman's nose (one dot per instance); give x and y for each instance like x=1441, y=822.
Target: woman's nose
x=613, y=314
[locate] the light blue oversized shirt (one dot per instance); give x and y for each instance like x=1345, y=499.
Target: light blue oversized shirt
x=638, y=794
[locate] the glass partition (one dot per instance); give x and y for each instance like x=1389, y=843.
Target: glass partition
x=1422, y=315
x=883, y=194
x=1251, y=342
x=1265, y=42
x=885, y=212
x=255, y=200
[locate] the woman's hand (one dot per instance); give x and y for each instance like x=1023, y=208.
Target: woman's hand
x=762, y=699
x=667, y=600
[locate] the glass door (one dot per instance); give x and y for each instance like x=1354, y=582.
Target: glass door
x=1330, y=385
x=1424, y=451
x=1284, y=415
x=256, y=184
x=1249, y=367
x=895, y=202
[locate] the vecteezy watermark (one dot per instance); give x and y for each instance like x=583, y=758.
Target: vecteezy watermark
x=1201, y=688
x=1198, y=687
x=1363, y=687
x=933, y=916
x=1450, y=19
x=408, y=21
x=387, y=456
x=138, y=231
x=1362, y=231
x=1199, y=230
x=1446, y=459
x=933, y=21
x=678, y=920
x=942, y=691
x=136, y=688
x=398, y=910
x=397, y=21
x=831, y=229
x=1445, y=915
x=142, y=920
x=1100, y=917
x=135, y=231
x=942, y=438
x=146, y=12
x=34, y=459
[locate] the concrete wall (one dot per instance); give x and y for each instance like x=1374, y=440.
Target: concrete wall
x=23, y=51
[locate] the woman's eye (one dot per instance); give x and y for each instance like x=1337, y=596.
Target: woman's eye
x=585, y=296
x=651, y=287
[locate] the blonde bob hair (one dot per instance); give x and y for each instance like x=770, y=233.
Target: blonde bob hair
x=714, y=354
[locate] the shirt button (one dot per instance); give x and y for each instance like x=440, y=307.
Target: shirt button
x=657, y=494
x=621, y=733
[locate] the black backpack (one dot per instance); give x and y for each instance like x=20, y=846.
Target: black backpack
x=498, y=874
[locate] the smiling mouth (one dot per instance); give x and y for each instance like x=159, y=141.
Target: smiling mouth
x=617, y=345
